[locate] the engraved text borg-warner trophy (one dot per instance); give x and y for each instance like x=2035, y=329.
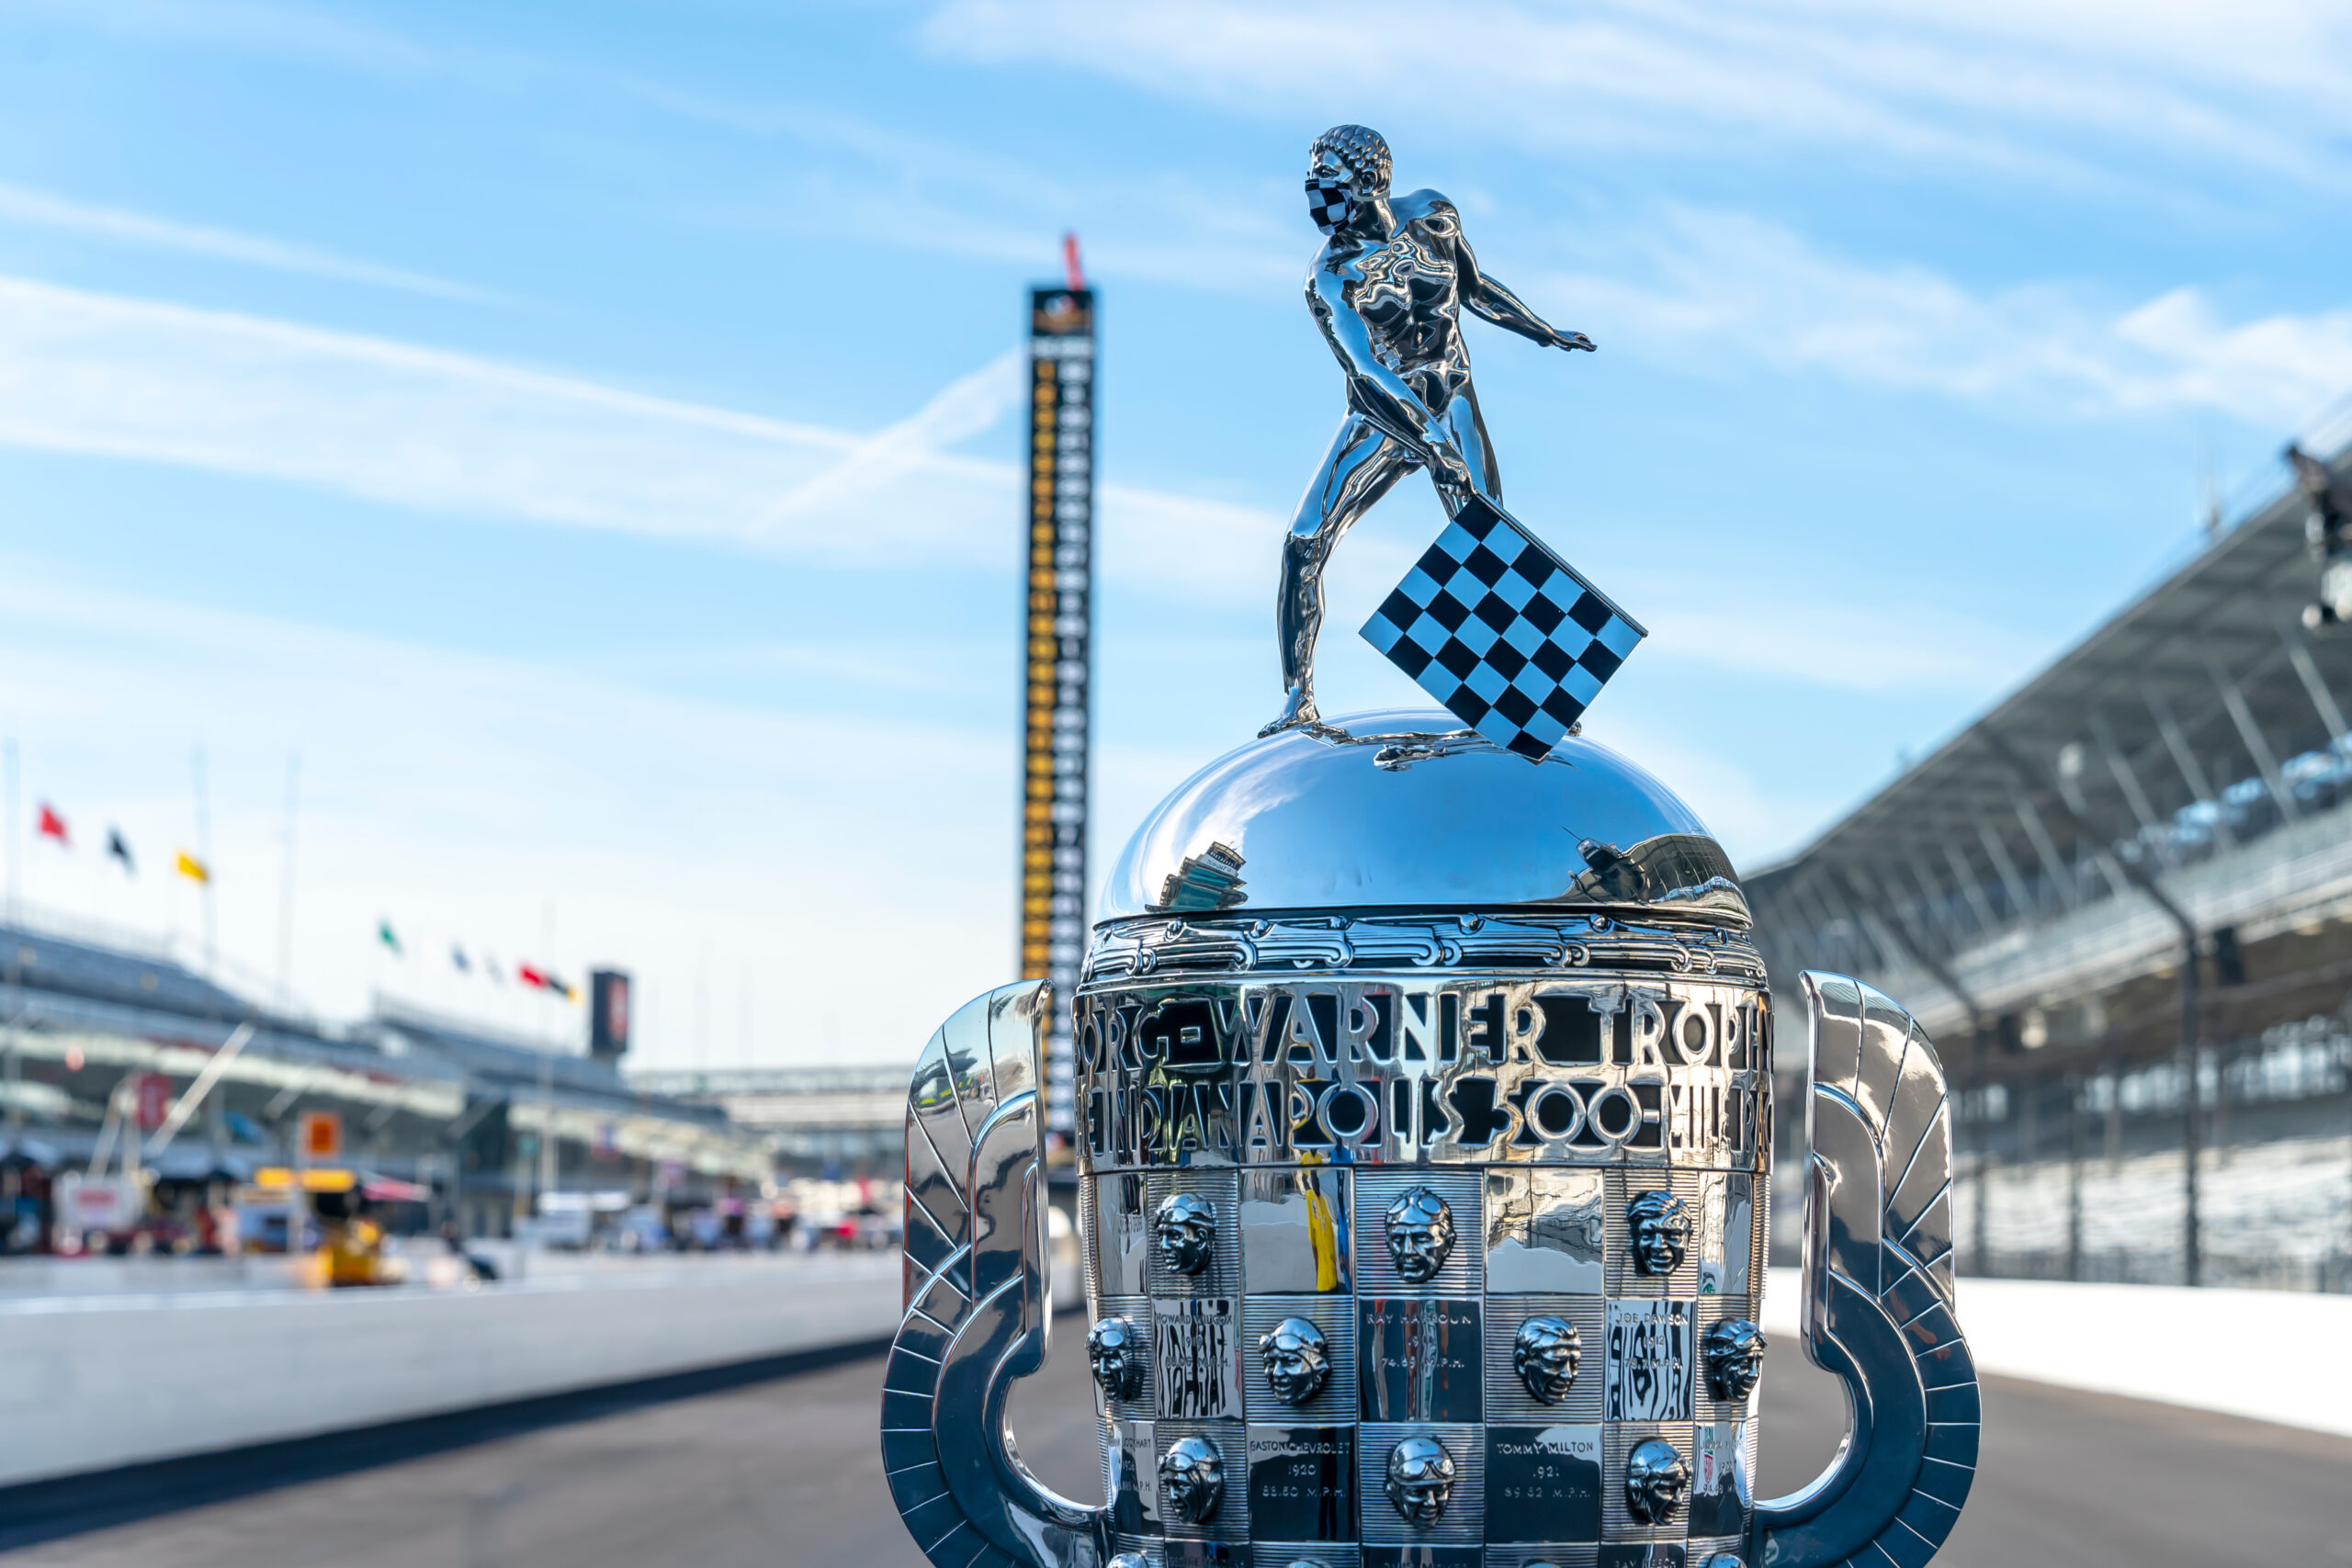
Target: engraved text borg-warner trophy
x=1425, y=1081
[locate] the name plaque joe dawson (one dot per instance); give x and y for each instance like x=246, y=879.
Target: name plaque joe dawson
x=1424, y=1101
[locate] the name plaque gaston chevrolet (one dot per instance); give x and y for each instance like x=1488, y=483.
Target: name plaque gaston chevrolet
x=1425, y=1104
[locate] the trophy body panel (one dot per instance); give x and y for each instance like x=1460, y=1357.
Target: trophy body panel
x=1424, y=1326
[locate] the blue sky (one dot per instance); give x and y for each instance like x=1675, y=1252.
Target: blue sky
x=584, y=435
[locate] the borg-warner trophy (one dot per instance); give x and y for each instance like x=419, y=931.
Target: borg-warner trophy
x=1426, y=1102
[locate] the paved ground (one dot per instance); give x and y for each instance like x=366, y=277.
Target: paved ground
x=785, y=1475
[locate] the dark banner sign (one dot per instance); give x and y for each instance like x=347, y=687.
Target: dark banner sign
x=608, y=1014
x=1057, y=665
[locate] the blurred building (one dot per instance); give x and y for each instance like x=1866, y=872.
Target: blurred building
x=2120, y=903
x=842, y=1121
x=486, y=1123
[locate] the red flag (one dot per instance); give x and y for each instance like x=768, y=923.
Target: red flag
x=52, y=826
x=530, y=977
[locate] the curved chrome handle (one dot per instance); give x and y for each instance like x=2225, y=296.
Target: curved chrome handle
x=977, y=1304
x=1878, y=1293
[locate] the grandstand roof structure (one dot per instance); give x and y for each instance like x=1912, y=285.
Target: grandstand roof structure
x=80, y=1006
x=2176, y=771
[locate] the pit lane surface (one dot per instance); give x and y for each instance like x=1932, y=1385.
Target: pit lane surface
x=785, y=1473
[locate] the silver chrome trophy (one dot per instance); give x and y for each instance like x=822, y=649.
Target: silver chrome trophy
x=1425, y=1088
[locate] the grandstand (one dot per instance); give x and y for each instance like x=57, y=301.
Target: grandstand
x=2121, y=902
x=843, y=1121
x=485, y=1122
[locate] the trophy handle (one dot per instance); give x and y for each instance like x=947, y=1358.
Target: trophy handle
x=977, y=1306
x=1878, y=1300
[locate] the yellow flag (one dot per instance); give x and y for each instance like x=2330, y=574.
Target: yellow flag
x=193, y=868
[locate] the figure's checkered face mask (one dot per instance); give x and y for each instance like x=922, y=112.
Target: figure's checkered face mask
x=1328, y=201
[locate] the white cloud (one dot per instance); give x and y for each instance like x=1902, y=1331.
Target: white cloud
x=104, y=376
x=391, y=421
x=1761, y=295
x=2001, y=86
x=23, y=204
x=1847, y=647
x=92, y=374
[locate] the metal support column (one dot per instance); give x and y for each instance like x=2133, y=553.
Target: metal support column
x=2257, y=744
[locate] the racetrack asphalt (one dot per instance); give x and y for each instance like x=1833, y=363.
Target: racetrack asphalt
x=784, y=1474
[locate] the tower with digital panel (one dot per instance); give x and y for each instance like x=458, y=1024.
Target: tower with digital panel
x=1056, y=660
x=1423, y=1100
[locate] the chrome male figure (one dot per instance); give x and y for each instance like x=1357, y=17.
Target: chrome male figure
x=1387, y=290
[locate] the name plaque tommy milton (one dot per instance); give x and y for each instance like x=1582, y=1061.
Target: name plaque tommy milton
x=1424, y=1101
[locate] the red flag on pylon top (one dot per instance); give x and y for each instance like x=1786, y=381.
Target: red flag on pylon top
x=52, y=826
x=1071, y=271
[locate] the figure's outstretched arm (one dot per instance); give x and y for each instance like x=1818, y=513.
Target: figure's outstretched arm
x=1499, y=305
x=1377, y=391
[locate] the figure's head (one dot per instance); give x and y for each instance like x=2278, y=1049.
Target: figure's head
x=1192, y=1478
x=1298, y=1359
x=1661, y=1231
x=1546, y=1353
x=1734, y=1358
x=1656, y=1479
x=1347, y=169
x=1185, y=1227
x=1420, y=1479
x=1114, y=1348
x=1420, y=1234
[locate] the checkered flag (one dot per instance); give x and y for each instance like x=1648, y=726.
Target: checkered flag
x=1503, y=632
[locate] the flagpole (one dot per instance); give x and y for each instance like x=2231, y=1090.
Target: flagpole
x=204, y=854
x=285, y=889
x=702, y=1008
x=15, y=827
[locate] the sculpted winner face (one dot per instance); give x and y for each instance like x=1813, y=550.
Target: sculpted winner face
x=1420, y=1479
x=1111, y=1348
x=1298, y=1358
x=1656, y=1479
x=1421, y=1236
x=1546, y=1353
x=1191, y=1477
x=1185, y=1228
x=1661, y=1231
x=1734, y=1358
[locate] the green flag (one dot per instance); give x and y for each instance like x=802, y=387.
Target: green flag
x=385, y=934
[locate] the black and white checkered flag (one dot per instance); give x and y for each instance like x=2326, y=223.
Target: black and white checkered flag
x=1502, y=632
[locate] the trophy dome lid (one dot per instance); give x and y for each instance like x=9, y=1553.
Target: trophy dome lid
x=1405, y=810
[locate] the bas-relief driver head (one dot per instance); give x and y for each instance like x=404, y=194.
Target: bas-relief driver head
x=1657, y=1478
x=1546, y=1353
x=1734, y=1352
x=1297, y=1360
x=1420, y=1234
x=1660, y=1227
x=1114, y=1350
x=1191, y=1477
x=1420, y=1479
x=1185, y=1227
